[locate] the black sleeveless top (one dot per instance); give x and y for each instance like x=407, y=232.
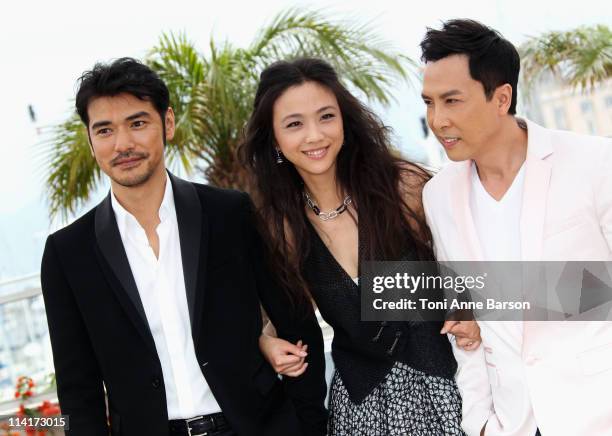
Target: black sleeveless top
x=364, y=351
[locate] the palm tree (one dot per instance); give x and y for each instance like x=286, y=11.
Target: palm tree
x=581, y=57
x=212, y=96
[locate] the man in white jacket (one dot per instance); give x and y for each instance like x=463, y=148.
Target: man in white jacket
x=516, y=191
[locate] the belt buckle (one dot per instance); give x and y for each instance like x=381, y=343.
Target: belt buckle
x=189, y=428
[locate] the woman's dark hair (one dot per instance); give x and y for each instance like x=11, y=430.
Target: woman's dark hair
x=385, y=189
x=493, y=60
x=124, y=75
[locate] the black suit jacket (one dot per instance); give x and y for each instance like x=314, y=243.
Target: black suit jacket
x=101, y=339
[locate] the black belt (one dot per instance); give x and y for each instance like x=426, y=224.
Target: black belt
x=198, y=426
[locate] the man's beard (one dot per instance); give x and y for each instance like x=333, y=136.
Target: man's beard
x=130, y=181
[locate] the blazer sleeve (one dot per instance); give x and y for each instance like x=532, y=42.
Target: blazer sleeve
x=472, y=377
x=307, y=391
x=79, y=381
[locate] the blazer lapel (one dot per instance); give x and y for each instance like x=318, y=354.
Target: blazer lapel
x=111, y=248
x=535, y=192
x=533, y=215
x=460, y=198
x=193, y=229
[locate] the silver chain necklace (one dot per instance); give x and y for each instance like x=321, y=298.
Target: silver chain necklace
x=326, y=216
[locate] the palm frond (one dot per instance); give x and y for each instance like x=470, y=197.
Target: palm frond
x=179, y=64
x=73, y=173
x=581, y=57
x=360, y=56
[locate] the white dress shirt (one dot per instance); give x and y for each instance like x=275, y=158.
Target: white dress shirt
x=497, y=225
x=161, y=286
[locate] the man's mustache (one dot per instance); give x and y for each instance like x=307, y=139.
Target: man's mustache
x=128, y=155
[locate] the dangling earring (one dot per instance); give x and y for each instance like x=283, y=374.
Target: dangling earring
x=279, y=156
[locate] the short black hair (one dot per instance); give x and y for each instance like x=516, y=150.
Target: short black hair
x=123, y=75
x=493, y=60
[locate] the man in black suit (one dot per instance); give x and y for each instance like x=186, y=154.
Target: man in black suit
x=152, y=296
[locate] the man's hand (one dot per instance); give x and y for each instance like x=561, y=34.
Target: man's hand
x=467, y=333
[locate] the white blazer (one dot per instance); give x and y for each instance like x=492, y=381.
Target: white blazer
x=566, y=215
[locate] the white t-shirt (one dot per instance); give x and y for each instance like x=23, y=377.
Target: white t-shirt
x=498, y=222
x=498, y=228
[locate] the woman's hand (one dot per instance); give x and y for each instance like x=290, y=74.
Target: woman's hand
x=467, y=333
x=286, y=358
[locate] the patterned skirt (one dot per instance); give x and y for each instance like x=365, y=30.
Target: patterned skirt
x=407, y=402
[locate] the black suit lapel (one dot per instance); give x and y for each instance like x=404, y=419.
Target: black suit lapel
x=111, y=247
x=193, y=229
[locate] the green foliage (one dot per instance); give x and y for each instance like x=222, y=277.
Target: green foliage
x=582, y=57
x=212, y=96
x=72, y=173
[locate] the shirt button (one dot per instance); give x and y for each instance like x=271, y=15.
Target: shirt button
x=531, y=360
x=155, y=382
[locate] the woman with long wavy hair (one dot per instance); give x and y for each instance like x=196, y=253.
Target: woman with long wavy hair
x=330, y=194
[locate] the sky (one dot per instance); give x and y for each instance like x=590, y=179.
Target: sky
x=45, y=46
